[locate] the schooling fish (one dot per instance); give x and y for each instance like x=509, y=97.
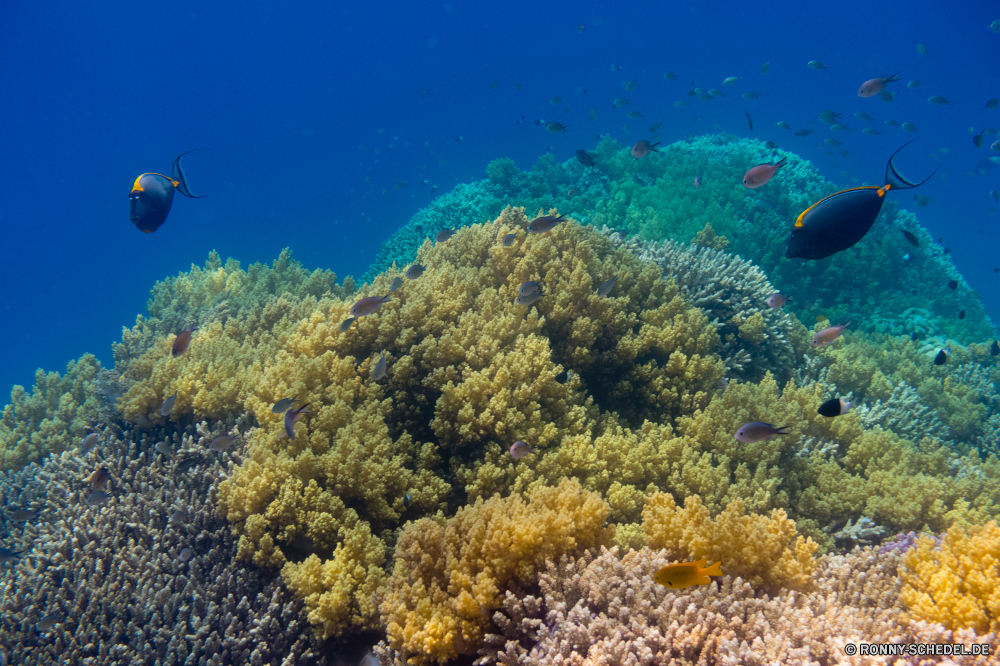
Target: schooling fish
x=529, y=288
x=22, y=515
x=346, y=324
x=586, y=159
x=953, y=284
x=177, y=518
x=541, y=225
x=367, y=306
x=826, y=337
x=168, y=405
x=291, y=417
x=444, y=235
x=556, y=128
x=995, y=348
x=415, y=271
x=153, y=193
x=378, y=372
x=89, y=442
x=872, y=87
x=181, y=342
x=47, y=623
x=643, y=148
x=529, y=299
x=185, y=555
x=565, y=375
x=834, y=407
x=282, y=405
x=776, y=301
x=911, y=239
x=509, y=239
x=760, y=174
x=804, y=132
x=8, y=555
x=163, y=449
x=99, y=479
x=758, y=431
x=606, y=287
x=96, y=498
x=396, y=283
x=749, y=120
x=840, y=220
x=687, y=574
x=221, y=443
x=816, y=64
x=519, y=449
x=941, y=358
x=870, y=131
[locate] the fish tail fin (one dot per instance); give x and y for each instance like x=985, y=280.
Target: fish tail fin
x=179, y=179
x=892, y=78
x=714, y=570
x=782, y=430
x=781, y=163
x=896, y=180
x=387, y=298
x=653, y=147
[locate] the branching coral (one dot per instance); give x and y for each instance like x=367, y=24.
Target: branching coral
x=766, y=552
x=956, y=581
x=53, y=417
x=449, y=576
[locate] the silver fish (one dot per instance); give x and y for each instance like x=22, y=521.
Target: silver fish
x=291, y=417
x=22, y=515
x=96, y=498
x=378, y=372
x=529, y=299
x=415, y=271
x=282, y=405
x=185, y=555
x=88, y=442
x=221, y=443
x=540, y=225
x=367, y=306
x=396, y=283
x=606, y=287
x=168, y=405
x=163, y=448
x=528, y=288
x=757, y=431
x=519, y=449
x=177, y=518
x=444, y=235
x=509, y=239
x=47, y=623
x=346, y=324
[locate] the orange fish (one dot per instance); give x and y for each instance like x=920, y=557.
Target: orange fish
x=760, y=174
x=872, y=87
x=687, y=574
x=642, y=148
x=182, y=341
x=697, y=181
x=826, y=337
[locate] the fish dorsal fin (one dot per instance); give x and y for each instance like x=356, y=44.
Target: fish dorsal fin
x=895, y=180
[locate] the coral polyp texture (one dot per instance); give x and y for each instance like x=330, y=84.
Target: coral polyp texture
x=554, y=421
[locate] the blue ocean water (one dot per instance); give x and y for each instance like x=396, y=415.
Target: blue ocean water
x=311, y=110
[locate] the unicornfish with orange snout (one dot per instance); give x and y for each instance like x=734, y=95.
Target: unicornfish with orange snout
x=153, y=193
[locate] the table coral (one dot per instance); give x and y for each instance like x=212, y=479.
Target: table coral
x=956, y=581
x=450, y=575
x=53, y=417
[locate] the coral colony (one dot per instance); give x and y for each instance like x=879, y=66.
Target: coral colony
x=525, y=454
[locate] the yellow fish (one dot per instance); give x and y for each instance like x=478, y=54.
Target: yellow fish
x=686, y=574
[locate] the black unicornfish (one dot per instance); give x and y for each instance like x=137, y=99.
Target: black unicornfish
x=152, y=194
x=840, y=220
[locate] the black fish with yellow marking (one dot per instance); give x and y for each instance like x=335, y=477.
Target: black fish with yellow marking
x=840, y=220
x=153, y=193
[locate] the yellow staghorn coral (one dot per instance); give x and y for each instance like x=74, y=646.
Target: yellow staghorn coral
x=956, y=582
x=449, y=575
x=53, y=417
x=766, y=552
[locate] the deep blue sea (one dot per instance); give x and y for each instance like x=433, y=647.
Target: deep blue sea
x=310, y=110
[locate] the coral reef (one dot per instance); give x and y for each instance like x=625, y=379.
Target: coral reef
x=116, y=576
x=53, y=417
x=955, y=581
x=450, y=576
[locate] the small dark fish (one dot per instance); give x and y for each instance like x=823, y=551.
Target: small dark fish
x=630, y=85
x=911, y=239
x=47, y=623
x=99, y=479
x=922, y=200
x=941, y=358
x=168, y=405
x=541, y=225
x=564, y=376
x=529, y=299
x=586, y=159
x=509, y=239
x=346, y=324
x=724, y=384
x=655, y=126
x=406, y=501
x=88, y=442
x=940, y=100
x=556, y=128
x=369, y=305
x=804, y=132
x=181, y=342
x=399, y=185
x=834, y=407
x=282, y=405
x=177, y=518
x=995, y=348
x=749, y=120
x=444, y=235
x=887, y=96
x=22, y=515
x=840, y=220
x=185, y=555
x=378, y=372
x=642, y=148
x=291, y=417
x=96, y=498
x=494, y=83
x=606, y=287
x=8, y=555
x=221, y=443
x=953, y=284
x=670, y=76
x=816, y=64
x=979, y=139
x=758, y=431
x=913, y=336
x=163, y=449
x=188, y=461
x=396, y=283
x=992, y=103
x=423, y=92
x=528, y=288
x=415, y=271
x=152, y=195
x=961, y=314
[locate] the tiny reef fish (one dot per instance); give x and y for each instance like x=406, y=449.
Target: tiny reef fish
x=369, y=305
x=826, y=337
x=834, y=407
x=762, y=173
x=181, y=342
x=776, y=301
x=872, y=87
x=642, y=148
x=282, y=405
x=606, y=287
x=687, y=574
x=291, y=418
x=415, y=271
x=519, y=449
x=378, y=372
x=541, y=225
x=758, y=431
